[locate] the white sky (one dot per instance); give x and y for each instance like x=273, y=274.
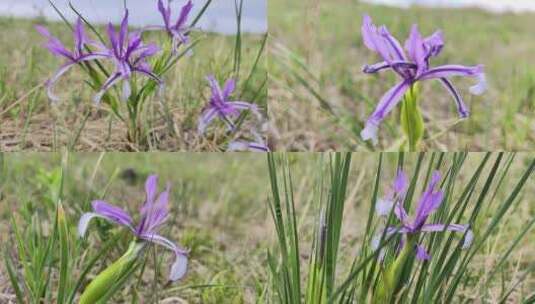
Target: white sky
x=220, y=16
x=492, y=5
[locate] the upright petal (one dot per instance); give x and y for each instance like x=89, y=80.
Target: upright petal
x=401, y=182
x=79, y=36
x=184, y=13
x=114, y=41
x=421, y=253
x=381, y=41
x=123, y=32
x=216, y=89
x=179, y=267
x=229, y=87
x=416, y=50
x=166, y=13
x=434, y=44
x=429, y=201
x=401, y=214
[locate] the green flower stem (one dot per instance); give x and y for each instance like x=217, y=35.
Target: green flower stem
x=412, y=122
x=104, y=280
x=390, y=277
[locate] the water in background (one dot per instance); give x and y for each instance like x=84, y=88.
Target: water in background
x=491, y=5
x=220, y=17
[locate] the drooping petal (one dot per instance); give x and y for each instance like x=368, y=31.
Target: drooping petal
x=376, y=241
x=241, y=145
x=452, y=227
x=447, y=71
x=206, y=118
x=387, y=103
x=84, y=222
x=421, y=253
x=481, y=85
x=370, y=132
x=127, y=91
x=54, y=45
x=468, y=239
x=396, y=65
x=461, y=106
x=108, y=84
x=52, y=81
x=112, y=213
x=179, y=267
x=242, y=105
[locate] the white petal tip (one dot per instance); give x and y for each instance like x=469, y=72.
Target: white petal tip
x=383, y=207
x=469, y=237
x=98, y=98
x=370, y=133
x=179, y=268
x=84, y=223
x=481, y=87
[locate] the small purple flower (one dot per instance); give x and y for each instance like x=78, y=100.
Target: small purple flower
x=429, y=202
x=154, y=214
x=178, y=31
x=76, y=56
x=412, y=66
x=129, y=54
x=221, y=107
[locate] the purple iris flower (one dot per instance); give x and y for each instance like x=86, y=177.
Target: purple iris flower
x=179, y=30
x=129, y=54
x=413, y=66
x=429, y=202
x=221, y=107
x=76, y=56
x=154, y=214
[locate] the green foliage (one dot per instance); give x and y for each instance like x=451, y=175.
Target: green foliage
x=397, y=277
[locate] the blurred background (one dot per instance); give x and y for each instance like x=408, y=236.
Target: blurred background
x=220, y=16
x=493, y=5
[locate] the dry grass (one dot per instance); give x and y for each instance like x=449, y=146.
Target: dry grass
x=30, y=122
